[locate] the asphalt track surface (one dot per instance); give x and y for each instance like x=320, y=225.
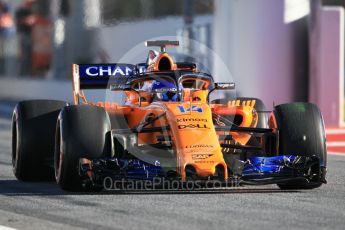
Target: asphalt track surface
x=45, y=206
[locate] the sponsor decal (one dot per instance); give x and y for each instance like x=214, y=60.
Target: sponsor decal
x=119, y=87
x=193, y=126
x=194, y=108
x=193, y=150
x=199, y=146
x=142, y=68
x=165, y=90
x=106, y=70
x=201, y=156
x=179, y=120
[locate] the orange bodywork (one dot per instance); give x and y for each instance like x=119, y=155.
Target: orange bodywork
x=194, y=138
x=192, y=130
x=196, y=141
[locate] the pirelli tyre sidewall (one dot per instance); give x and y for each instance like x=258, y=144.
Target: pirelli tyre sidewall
x=81, y=132
x=301, y=132
x=33, y=132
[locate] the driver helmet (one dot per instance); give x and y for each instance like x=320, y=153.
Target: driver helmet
x=164, y=90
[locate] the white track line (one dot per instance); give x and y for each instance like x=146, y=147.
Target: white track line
x=6, y=228
x=336, y=154
x=335, y=131
x=335, y=144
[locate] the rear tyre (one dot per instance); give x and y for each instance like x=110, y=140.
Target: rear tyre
x=302, y=132
x=82, y=132
x=33, y=131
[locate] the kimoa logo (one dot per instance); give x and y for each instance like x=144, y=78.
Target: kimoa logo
x=199, y=146
x=191, y=119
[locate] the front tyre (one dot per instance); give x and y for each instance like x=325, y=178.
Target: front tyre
x=302, y=133
x=81, y=132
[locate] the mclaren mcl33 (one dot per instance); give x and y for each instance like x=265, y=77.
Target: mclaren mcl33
x=166, y=124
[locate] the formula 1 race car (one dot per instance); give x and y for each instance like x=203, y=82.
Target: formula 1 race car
x=168, y=127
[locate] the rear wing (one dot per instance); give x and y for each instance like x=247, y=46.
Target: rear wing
x=101, y=76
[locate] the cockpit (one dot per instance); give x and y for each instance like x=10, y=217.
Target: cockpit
x=169, y=88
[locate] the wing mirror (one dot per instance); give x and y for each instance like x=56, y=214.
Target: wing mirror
x=125, y=87
x=221, y=86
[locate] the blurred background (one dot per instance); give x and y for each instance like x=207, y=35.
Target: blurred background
x=277, y=50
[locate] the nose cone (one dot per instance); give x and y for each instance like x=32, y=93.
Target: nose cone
x=195, y=138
